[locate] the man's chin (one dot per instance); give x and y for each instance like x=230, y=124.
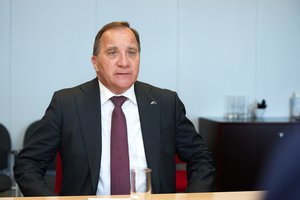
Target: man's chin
x=121, y=88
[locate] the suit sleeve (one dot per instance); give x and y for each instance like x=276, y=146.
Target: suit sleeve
x=191, y=148
x=32, y=161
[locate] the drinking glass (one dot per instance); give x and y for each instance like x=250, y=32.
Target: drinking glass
x=236, y=107
x=140, y=184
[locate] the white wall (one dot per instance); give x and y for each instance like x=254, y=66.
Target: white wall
x=202, y=49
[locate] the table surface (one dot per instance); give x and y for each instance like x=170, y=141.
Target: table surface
x=252, y=120
x=245, y=195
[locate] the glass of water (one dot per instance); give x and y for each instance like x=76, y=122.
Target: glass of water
x=140, y=184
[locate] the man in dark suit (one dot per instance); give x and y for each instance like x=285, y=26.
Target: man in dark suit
x=77, y=123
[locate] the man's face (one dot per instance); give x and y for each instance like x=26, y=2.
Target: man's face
x=118, y=61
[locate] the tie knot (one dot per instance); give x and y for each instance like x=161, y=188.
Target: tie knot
x=118, y=100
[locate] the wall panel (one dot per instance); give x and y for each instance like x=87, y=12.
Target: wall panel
x=5, y=63
x=278, y=53
x=51, y=49
x=217, y=53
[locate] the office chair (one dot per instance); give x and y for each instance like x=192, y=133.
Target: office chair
x=58, y=176
x=181, y=176
x=5, y=148
x=51, y=170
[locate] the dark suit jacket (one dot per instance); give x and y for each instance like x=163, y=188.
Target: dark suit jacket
x=72, y=125
x=281, y=177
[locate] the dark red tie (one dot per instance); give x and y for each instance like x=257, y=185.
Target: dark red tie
x=119, y=159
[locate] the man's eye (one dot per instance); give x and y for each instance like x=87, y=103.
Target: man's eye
x=112, y=53
x=132, y=52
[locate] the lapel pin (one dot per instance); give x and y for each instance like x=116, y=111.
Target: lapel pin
x=153, y=103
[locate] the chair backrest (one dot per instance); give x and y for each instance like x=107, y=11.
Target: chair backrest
x=5, y=147
x=29, y=131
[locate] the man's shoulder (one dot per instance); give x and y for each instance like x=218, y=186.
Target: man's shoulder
x=83, y=87
x=162, y=95
x=148, y=88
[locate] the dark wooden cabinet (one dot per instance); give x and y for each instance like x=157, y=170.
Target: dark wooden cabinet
x=242, y=147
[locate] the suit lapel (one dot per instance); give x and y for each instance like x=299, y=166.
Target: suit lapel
x=88, y=103
x=149, y=109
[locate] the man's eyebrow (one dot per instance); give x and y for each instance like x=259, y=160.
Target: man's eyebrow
x=133, y=48
x=111, y=48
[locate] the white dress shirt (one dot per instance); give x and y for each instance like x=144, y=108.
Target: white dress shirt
x=137, y=158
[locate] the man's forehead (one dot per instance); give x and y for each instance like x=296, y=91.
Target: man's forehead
x=110, y=40
x=118, y=30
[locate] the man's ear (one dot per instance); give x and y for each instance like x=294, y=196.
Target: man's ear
x=94, y=61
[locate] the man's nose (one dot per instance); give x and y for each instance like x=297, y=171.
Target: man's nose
x=123, y=60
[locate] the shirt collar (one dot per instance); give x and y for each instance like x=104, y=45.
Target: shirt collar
x=106, y=94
